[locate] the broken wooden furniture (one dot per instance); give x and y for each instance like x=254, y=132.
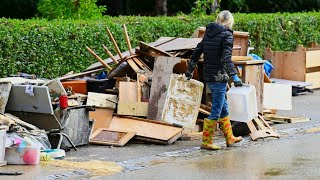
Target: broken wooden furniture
x=252, y=73
x=130, y=99
x=259, y=128
x=300, y=65
x=71, y=125
x=147, y=130
x=240, y=42
x=162, y=71
x=105, y=105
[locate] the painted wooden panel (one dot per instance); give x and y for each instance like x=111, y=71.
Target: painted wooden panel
x=5, y=88
x=101, y=100
x=183, y=101
x=312, y=58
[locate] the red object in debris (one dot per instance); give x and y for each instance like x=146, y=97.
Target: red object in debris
x=63, y=102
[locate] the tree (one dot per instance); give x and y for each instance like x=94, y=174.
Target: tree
x=161, y=7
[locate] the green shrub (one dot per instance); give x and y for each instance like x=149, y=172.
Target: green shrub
x=70, y=9
x=53, y=48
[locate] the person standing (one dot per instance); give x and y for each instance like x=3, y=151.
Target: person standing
x=216, y=47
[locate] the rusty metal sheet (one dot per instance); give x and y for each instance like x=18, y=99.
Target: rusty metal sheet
x=183, y=101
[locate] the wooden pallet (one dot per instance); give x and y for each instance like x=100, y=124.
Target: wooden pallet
x=259, y=128
x=285, y=119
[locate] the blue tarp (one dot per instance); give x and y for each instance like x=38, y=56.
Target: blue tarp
x=267, y=65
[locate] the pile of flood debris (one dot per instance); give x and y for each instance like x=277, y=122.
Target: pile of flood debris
x=139, y=95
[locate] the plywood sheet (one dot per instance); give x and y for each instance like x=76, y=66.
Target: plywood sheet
x=145, y=128
x=101, y=100
x=180, y=44
x=312, y=58
x=5, y=88
x=128, y=91
x=162, y=71
x=277, y=96
x=133, y=108
x=183, y=101
x=23, y=102
x=313, y=78
x=102, y=118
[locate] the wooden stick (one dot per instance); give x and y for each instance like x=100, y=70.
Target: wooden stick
x=114, y=43
x=110, y=54
x=98, y=58
x=127, y=39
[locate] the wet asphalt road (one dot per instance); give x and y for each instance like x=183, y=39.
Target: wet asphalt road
x=295, y=157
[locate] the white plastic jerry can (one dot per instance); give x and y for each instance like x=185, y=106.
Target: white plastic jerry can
x=242, y=103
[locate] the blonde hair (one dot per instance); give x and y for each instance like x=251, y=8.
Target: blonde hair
x=225, y=18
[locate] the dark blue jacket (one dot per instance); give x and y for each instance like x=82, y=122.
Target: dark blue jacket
x=216, y=46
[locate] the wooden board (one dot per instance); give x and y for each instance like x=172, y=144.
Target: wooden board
x=146, y=128
x=281, y=60
x=183, y=101
x=277, y=96
x=5, y=88
x=102, y=100
x=180, y=44
x=102, y=117
x=291, y=83
x=20, y=101
x=111, y=137
x=313, y=78
x=56, y=88
x=312, y=58
x=162, y=71
x=153, y=51
x=82, y=73
x=128, y=92
x=259, y=128
x=285, y=119
x=133, y=108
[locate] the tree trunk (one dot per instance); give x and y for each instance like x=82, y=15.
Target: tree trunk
x=161, y=7
x=215, y=6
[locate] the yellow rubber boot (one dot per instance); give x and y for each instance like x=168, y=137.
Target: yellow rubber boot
x=209, y=126
x=225, y=125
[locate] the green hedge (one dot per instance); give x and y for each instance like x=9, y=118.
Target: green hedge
x=53, y=48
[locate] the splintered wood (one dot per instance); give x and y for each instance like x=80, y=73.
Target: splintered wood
x=183, y=101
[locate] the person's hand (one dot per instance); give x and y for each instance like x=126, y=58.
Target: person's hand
x=237, y=81
x=188, y=75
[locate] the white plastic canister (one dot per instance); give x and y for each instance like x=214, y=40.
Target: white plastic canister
x=242, y=103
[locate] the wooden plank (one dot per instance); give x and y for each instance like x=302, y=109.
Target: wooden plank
x=285, y=119
x=291, y=83
x=241, y=58
x=102, y=100
x=5, y=88
x=250, y=62
x=313, y=78
x=128, y=92
x=133, y=65
x=162, y=71
x=312, y=58
x=241, y=39
x=102, y=118
x=111, y=137
x=133, y=108
x=23, y=102
x=153, y=51
x=80, y=74
x=145, y=128
x=3, y=137
x=183, y=101
x=180, y=44
x=281, y=60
